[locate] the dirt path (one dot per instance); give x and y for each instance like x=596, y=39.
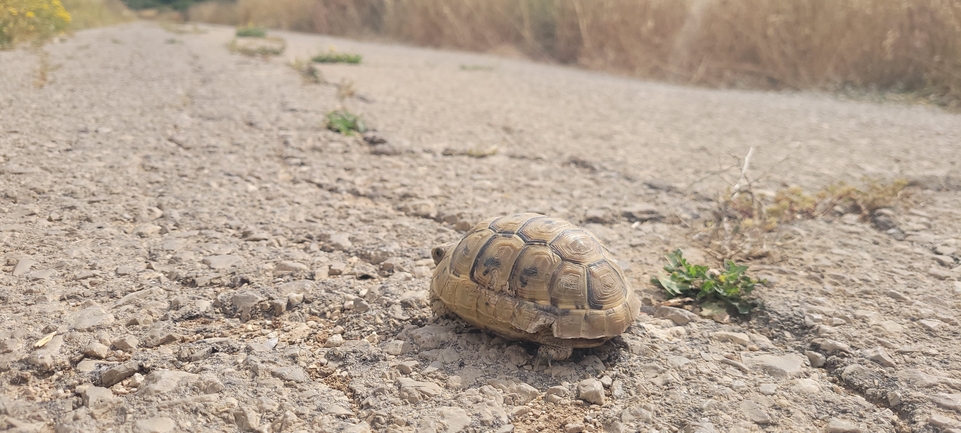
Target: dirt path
x=207, y=257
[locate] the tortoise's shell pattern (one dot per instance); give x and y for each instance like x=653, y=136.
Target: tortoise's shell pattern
x=531, y=277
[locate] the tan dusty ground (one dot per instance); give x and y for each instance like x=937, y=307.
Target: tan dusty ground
x=207, y=257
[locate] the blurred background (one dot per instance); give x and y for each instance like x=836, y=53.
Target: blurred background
x=900, y=47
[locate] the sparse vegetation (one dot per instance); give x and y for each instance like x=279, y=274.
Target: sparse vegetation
x=258, y=47
x=343, y=121
x=335, y=57
x=251, y=32
x=727, y=287
x=31, y=20
x=796, y=44
x=307, y=71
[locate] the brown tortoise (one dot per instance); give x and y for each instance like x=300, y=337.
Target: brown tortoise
x=534, y=278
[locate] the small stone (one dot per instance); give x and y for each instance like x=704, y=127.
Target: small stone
x=878, y=355
x=340, y=241
x=455, y=418
x=816, y=359
x=420, y=272
x=291, y=374
x=118, y=373
x=931, y=324
x=337, y=268
x=783, y=365
x=734, y=337
x=679, y=316
x=96, y=350
x=335, y=340
x=154, y=425
x=591, y=391
x=407, y=367
x=767, y=388
x=288, y=266
x=89, y=318
x=23, y=266
x=755, y=412
x=126, y=344
x=836, y=425
x=223, y=261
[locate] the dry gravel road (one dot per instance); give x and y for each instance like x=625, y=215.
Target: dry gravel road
x=186, y=248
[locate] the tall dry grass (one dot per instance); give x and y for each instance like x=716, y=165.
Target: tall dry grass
x=898, y=45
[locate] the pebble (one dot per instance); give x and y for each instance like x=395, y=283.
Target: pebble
x=154, y=425
x=96, y=350
x=679, y=316
x=223, y=261
x=117, y=373
x=291, y=374
x=777, y=365
x=878, y=355
x=23, y=266
x=754, y=412
x=591, y=391
x=126, y=344
x=836, y=425
x=89, y=318
x=455, y=418
x=340, y=241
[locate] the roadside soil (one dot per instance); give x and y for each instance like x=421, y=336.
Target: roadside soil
x=185, y=247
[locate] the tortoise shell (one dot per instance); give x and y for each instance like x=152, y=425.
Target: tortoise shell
x=531, y=277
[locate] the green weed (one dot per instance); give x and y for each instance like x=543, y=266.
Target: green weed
x=345, y=122
x=729, y=287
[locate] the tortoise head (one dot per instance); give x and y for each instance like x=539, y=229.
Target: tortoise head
x=438, y=252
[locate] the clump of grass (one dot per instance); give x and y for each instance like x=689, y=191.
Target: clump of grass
x=31, y=20
x=332, y=56
x=261, y=47
x=345, y=122
x=308, y=72
x=727, y=287
x=251, y=32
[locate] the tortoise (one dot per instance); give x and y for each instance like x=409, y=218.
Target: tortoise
x=534, y=278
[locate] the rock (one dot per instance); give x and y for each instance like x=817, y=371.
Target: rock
x=223, y=261
x=154, y=425
x=679, y=316
x=420, y=272
x=23, y=266
x=291, y=374
x=96, y=350
x=289, y=266
x=97, y=399
x=126, y=344
x=164, y=381
x=816, y=359
x=340, y=242
x=414, y=391
x=89, y=318
x=948, y=401
x=878, y=355
x=836, y=425
x=734, y=337
x=455, y=418
x=591, y=391
x=642, y=212
x=754, y=412
x=777, y=365
x=117, y=373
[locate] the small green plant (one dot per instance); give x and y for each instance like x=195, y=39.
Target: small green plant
x=345, y=122
x=727, y=287
x=332, y=56
x=251, y=32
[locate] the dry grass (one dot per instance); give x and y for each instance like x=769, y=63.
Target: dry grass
x=901, y=46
